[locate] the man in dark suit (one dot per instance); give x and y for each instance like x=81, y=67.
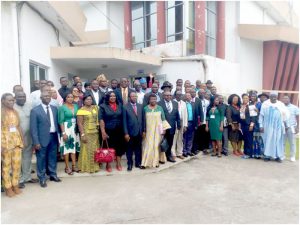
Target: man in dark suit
x=133, y=122
x=44, y=132
x=97, y=95
x=124, y=91
x=199, y=116
x=154, y=90
x=188, y=135
x=170, y=108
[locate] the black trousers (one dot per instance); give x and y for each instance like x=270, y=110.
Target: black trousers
x=169, y=138
x=203, y=138
x=134, y=146
x=196, y=141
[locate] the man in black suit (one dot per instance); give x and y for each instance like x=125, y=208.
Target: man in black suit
x=124, y=91
x=199, y=116
x=154, y=90
x=133, y=121
x=170, y=108
x=97, y=95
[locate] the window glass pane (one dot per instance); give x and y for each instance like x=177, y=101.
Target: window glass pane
x=178, y=18
x=170, y=4
x=192, y=14
x=153, y=27
x=212, y=24
x=136, y=9
x=33, y=75
x=138, y=31
x=191, y=43
x=212, y=5
x=178, y=36
x=138, y=46
x=171, y=21
x=213, y=47
x=171, y=38
x=42, y=74
x=150, y=7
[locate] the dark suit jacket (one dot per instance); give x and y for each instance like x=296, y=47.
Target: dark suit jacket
x=173, y=117
x=118, y=93
x=132, y=123
x=195, y=118
x=40, y=125
x=101, y=97
x=146, y=98
x=199, y=110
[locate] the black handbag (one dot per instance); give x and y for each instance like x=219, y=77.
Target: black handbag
x=164, y=145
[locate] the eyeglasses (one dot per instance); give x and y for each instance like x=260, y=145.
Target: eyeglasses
x=75, y=90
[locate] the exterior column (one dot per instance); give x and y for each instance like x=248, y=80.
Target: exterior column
x=200, y=27
x=161, y=22
x=220, y=29
x=127, y=25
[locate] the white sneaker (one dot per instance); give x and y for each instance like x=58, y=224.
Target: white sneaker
x=293, y=159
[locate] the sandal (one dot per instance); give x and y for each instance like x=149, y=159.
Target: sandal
x=68, y=171
x=74, y=169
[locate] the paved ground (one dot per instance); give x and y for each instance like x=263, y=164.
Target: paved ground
x=202, y=190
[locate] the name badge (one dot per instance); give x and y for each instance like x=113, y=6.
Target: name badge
x=12, y=129
x=212, y=116
x=73, y=120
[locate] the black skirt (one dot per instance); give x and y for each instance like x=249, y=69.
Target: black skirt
x=235, y=135
x=116, y=140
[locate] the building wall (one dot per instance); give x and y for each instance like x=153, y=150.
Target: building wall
x=251, y=13
x=36, y=37
x=9, y=44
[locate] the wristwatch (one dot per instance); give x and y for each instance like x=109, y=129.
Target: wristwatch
x=82, y=135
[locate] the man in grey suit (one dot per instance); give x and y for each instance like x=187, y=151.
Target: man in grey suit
x=133, y=123
x=44, y=132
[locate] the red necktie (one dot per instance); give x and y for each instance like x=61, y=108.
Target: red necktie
x=134, y=109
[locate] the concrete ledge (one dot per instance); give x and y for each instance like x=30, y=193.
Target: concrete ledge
x=135, y=171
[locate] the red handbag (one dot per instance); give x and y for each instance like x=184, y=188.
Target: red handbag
x=105, y=155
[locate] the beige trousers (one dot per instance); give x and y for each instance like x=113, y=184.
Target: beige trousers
x=177, y=146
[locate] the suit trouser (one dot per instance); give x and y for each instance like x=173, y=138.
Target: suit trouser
x=248, y=140
x=177, y=146
x=188, y=138
x=225, y=140
x=11, y=161
x=169, y=138
x=46, y=158
x=290, y=137
x=134, y=146
x=26, y=164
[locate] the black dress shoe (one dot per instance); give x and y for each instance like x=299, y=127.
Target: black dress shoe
x=33, y=181
x=55, y=179
x=171, y=160
x=267, y=159
x=191, y=154
x=161, y=162
x=21, y=185
x=185, y=155
x=43, y=184
x=137, y=166
x=142, y=167
x=129, y=168
x=224, y=153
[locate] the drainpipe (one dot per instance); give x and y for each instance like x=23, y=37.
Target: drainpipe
x=19, y=6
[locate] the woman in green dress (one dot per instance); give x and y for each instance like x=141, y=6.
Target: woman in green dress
x=87, y=120
x=214, y=125
x=156, y=126
x=69, y=142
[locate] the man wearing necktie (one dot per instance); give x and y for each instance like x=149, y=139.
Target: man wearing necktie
x=44, y=132
x=170, y=108
x=124, y=91
x=133, y=122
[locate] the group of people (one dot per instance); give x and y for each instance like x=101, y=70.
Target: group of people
x=76, y=121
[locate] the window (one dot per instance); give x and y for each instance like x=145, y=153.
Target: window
x=174, y=18
x=144, y=24
x=211, y=27
x=37, y=72
x=191, y=29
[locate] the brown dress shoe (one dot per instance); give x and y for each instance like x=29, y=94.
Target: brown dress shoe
x=9, y=192
x=17, y=190
x=180, y=157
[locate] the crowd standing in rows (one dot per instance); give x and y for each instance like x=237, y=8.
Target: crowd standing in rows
x=76, y=121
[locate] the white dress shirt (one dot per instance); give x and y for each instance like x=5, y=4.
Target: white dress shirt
x=96, y=96
x=52, y=126
x=140, y=97
x=170, y=104
x=35, y=98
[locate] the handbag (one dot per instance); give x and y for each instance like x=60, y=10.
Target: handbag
x=164, y=145
x=105, y=155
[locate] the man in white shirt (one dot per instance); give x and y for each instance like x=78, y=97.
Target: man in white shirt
x=293, y=129
x=177, y=146
x=140, y=94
